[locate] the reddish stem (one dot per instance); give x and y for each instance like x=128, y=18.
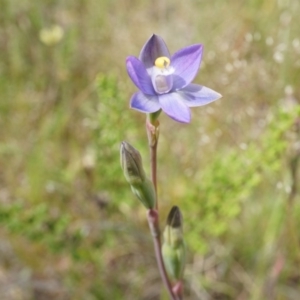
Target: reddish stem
x=153, y=155
x=152, y=127
x=178, y=289
x=153, y=221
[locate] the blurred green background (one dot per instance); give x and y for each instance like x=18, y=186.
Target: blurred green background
x=70, y=227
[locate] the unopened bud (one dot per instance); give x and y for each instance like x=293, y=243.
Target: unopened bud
x=174, y=249
x=145, y=192
x=131, y=163
x=141, y=186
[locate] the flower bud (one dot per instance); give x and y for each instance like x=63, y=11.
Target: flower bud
x=145, y=192
x=131, y=163
x=141, y=186
x=174, y=249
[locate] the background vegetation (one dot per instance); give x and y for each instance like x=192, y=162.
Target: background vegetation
x=70, y=227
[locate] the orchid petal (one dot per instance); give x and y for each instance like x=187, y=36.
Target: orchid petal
x=144, y=103
x=186, y=63
x=175, y=107
x=138, y=74
x=155, y=47
x=198, y=95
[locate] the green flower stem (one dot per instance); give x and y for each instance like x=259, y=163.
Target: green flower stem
x=153, y=221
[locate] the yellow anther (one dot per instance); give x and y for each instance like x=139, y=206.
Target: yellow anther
x=162, y=62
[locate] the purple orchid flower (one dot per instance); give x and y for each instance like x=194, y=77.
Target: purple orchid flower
x=164, y=81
